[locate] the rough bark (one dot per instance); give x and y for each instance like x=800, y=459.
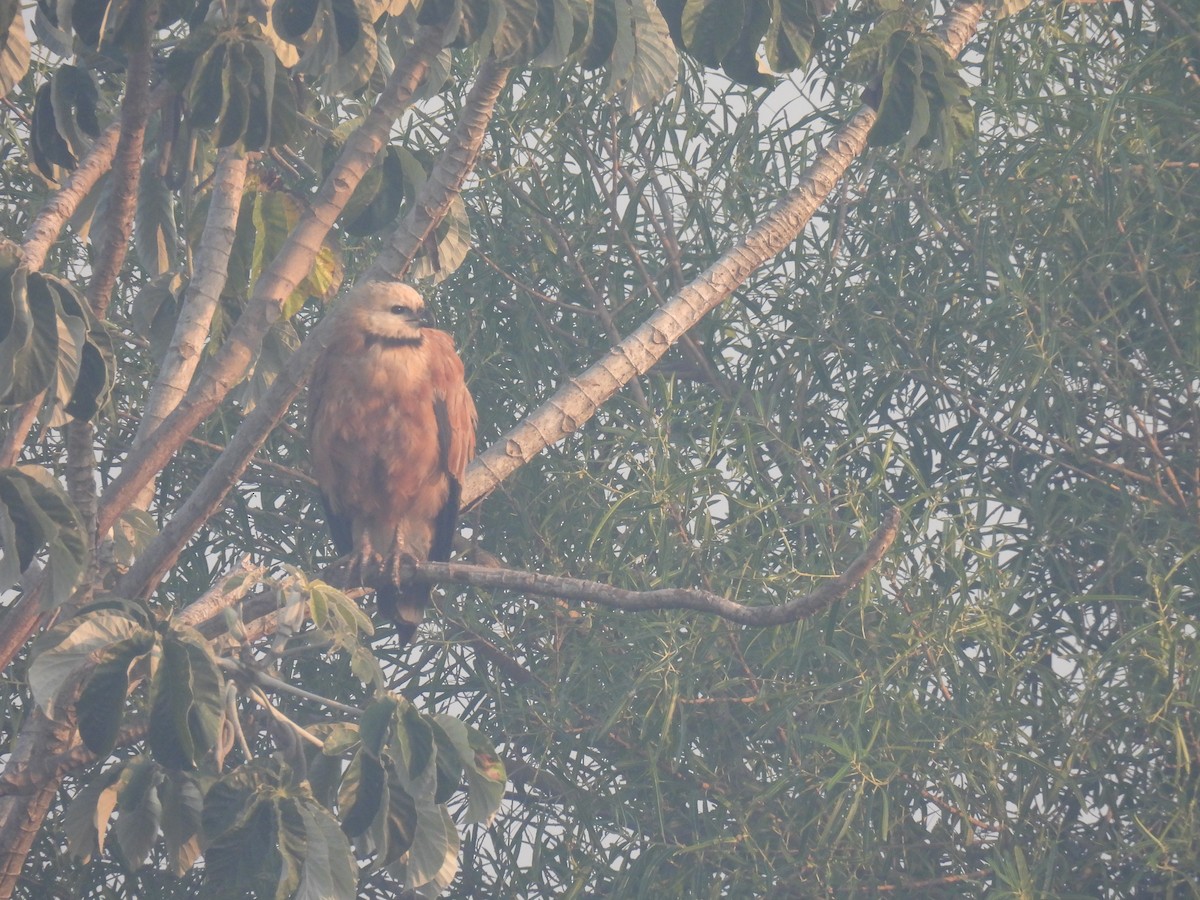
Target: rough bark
x=199, y=303
x=114, y=232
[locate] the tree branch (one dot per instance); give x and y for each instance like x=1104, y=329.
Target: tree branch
x=200, y=301
x=577, y=401
x=113, y=239
x=669, y=598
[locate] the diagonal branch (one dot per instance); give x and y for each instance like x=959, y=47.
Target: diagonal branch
x=200, y=301
x=577, y=401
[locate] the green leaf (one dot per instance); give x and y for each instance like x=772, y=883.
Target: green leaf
x=329, y=869
x=245, y=860
x=138, y=810
x=206, y=90
x=415, y=751
x=47, y=147
x=602, y=35
x=187, y=701
x=30, y=352
x=432, y=860
x=710, y=28
x=101, y=706
x=156, y=309
x=376, y=201
x=561, y=34
x=71, y=647
x=182, y=806
x=362, y=794
x=485, y=771
x=235, y=84
x=792, y=34
x=644, y=62
x=42, y=519
x=94, y=384
x=85, y=821
x=292, y=846
x=14, y=52
x=75, y=98
x=453, y=242
x=134, y=529
x=525, y=30
x=741, y=62
x=261, y=86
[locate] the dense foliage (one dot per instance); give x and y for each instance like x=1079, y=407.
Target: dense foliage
x=990, y=325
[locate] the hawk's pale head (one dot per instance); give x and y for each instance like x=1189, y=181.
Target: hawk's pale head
x=387, y=312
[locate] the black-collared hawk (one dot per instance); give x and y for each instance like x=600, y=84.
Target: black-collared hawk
x=392, y=429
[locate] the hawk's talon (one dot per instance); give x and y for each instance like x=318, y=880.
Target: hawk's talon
x=397, y=562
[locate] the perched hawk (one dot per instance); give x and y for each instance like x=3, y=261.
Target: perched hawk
x=392, y=428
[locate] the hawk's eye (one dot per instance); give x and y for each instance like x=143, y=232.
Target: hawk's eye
x=401, y=310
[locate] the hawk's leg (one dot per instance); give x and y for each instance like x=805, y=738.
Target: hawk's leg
x=398, y=557
x=363, y=562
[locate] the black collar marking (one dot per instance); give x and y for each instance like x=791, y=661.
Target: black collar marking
x=391, y=342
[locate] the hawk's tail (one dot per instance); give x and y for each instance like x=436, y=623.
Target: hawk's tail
x=404, y=606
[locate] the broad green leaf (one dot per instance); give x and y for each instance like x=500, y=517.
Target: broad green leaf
x=710, y=28
x=101, y=706
x=245, y=860
x=134, y=529
x=50, y=153
x=791, y=35
x=329, y=869
x=81, y=642
x=138, y=810
x=182, y=806
x=74, y=99
x=187, y=701
x=156, y=309
x=361, y=795
x=453, y=241
x=527, y=27
x=742, y=62
x=293, y=845
x=433, y=857
x=85, y=821
x=602, y=35
x=43, y=515
x=485, y=773
x=229, y=801
x=561, y=36
x=414, y=751
x=72, y=339
x=35, y=359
